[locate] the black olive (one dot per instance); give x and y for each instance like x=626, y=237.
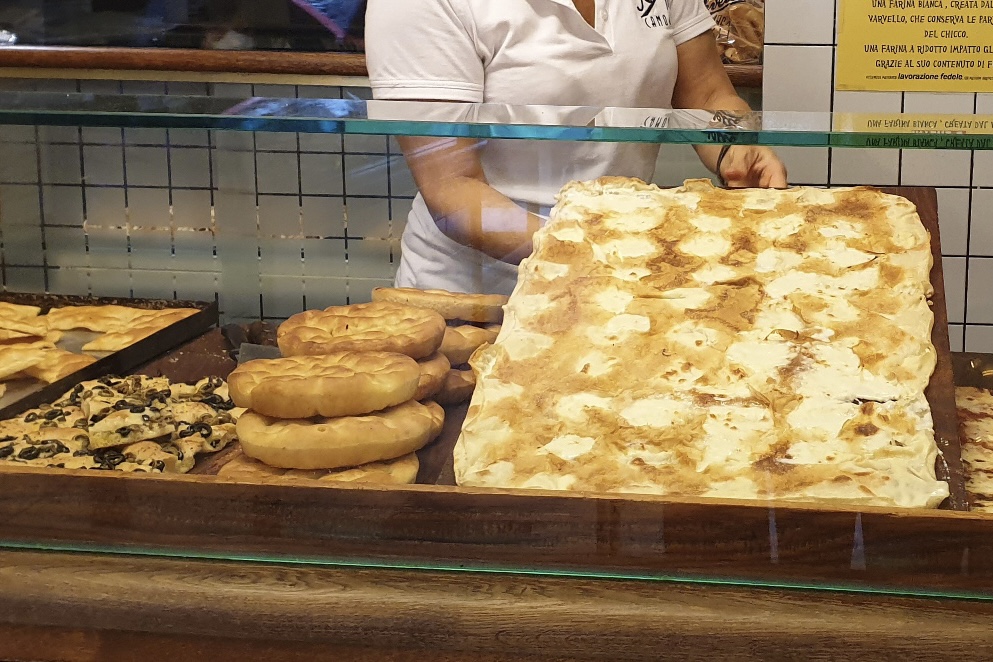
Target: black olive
x=121, y=404
x=204, y=429
x=80, y=423
x=8, y=437
x=123, y=431
x=146, y=418
x=29, y=453
x=109, y=457
x=158, y=465
x=60, y=448
x=137, y=409
x=53, y=414
x=31, y=418
x=48, y=424
x=80, y=453
x=188, y=432
x=81, y=438
x=60, y=465
x=6, y=451
x=106, y=381
x=96, y=418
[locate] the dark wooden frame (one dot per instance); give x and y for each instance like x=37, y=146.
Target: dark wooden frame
x=243, y=62
x=80, y=608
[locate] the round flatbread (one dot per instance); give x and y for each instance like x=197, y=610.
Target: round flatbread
x=330, y=443
x=434, y=370
x=401, y=471
x=364, y=327
x=459, y=385
x=461, y=341
x=450, y=305
x=338, y=384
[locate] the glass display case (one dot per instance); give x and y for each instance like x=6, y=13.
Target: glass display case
x=268, y=206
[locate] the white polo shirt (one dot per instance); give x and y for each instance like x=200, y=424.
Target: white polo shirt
x=524, y=52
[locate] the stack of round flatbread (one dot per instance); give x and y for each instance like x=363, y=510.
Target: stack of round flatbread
x=471, y=321
x=353, y=390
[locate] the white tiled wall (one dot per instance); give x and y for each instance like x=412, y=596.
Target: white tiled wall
x=266, y=223
x=799, y=76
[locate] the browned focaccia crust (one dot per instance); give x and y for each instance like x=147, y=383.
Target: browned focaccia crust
x=434, y=370
x=401, y=471
x=461, y=341
x=337, y=384
x=486, y=308
x=459, y=385
x=330, y=443
x=364, y=327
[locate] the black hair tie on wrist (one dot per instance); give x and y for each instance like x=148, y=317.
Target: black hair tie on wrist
x=720, y=161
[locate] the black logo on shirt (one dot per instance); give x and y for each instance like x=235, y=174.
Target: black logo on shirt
x=652, y=18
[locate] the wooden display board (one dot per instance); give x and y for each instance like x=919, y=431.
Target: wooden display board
x=441, y=526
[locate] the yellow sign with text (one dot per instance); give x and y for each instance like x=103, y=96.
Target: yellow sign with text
x=915, y=45
x=916, y=131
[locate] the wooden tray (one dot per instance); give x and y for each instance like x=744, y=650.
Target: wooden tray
x=120, y=362
x=941, y=391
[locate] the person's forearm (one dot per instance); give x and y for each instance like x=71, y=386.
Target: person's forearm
x=474, y=214
x=729, y=101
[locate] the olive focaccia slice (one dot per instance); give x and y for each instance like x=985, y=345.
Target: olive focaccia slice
x=127, y=410
x=210, y=428
x=136, y=424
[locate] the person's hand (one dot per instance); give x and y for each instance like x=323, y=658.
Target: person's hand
x=751, y=166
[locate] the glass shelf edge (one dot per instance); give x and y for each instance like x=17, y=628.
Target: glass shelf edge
x=345, y=116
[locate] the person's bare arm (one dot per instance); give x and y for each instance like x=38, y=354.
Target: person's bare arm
x=703, y=83
x=450, y=177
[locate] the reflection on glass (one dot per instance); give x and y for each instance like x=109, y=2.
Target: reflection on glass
x=456, y=120
x=297, y=25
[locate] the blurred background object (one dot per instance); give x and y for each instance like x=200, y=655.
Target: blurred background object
x=298, y=25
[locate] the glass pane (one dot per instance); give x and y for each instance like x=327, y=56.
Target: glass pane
x=571, y=124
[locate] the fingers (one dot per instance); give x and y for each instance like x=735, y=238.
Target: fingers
x=749, y=166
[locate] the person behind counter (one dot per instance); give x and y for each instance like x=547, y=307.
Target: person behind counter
x=479, y=202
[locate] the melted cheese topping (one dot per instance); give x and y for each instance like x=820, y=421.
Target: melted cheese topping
x=708, y=343
x=975, y=407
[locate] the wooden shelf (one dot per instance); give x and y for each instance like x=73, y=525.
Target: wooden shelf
x=237, y=62
x=196, y=61
x=81, y=607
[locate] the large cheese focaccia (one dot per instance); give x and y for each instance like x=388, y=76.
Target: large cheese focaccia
x=708, y=343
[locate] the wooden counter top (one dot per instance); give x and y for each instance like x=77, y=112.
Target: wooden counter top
x=85, y=607
x=235, y=62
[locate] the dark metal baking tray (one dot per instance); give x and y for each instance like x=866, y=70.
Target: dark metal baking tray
x=120, y=362
x=973, y=369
